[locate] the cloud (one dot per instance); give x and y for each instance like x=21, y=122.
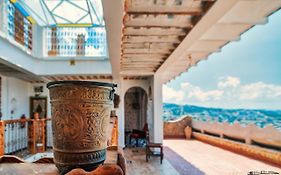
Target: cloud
x=229, y=93
x=229, y=82
x=197, y=93
x=260, y=90
x=170, y=95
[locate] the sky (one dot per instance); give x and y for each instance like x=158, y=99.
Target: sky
x=245, y=74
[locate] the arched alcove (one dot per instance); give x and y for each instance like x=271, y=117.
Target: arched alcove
x=135, y=108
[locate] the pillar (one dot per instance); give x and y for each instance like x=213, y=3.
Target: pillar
x=54, y=43
x=157, y=109
x=80, y=45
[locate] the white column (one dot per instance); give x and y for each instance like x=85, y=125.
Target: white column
x=157, y=109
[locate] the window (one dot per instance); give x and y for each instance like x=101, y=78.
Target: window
x=75, y=41
x=19, y=27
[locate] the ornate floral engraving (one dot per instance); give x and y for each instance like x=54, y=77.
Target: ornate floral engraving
x=80, y=118
x=68, y=124
x=85, y=93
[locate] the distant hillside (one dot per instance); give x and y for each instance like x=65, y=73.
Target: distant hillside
x=243, y=116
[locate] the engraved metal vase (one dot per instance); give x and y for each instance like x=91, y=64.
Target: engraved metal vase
x=80, y=116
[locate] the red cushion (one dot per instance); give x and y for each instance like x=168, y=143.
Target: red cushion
x=134, y=135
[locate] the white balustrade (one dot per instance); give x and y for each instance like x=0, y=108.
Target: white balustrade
x=268, y=135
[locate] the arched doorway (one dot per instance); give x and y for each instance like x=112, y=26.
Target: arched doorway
x=135, y=109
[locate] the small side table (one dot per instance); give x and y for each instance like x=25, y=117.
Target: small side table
x=159, y=153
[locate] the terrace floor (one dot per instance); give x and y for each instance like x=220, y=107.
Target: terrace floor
x=193, y=157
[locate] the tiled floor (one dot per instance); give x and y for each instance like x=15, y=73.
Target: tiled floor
x=136, y=164
x=193, y=158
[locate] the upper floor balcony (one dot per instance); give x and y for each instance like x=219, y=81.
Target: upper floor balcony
x=44, y=31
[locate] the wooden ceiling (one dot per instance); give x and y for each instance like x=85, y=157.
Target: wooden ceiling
x=152, y=29
x=78, y=77
x=135, y=77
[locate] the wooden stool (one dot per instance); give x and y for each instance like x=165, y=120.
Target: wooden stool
x=149, y=152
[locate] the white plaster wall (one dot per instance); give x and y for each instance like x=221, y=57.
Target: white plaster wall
x=18, y=90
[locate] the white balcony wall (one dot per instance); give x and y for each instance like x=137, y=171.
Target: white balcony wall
x=37, y=41
x=16, y=56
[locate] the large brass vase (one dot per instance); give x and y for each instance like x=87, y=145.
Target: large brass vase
x=80, y=116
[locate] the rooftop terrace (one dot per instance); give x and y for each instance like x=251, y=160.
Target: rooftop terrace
x=195, y=158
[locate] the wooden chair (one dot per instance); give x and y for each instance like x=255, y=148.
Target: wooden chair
x=138, y=134
x=154, y=149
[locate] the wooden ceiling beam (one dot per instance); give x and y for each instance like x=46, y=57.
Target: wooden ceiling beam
x=171, y=20
x=55, y=78
x=89, y=77
x=101, y=77
x=149, y=45
x=143, y=59
x=67, y=78
x=166, y=11
x=156, y=31
x=109, y=77
x=133, y=51
x=144, y=55
x=156, y=39
x=82, y=77
x=159, y=24
x=140, y=62
x=136, y=72
x=132, y=66
x=168, y=6
x=135, y=78
x=150, y=66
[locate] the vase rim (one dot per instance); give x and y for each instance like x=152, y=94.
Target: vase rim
x=80, y=83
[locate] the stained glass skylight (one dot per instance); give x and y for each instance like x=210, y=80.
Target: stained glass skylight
x=65, y=12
